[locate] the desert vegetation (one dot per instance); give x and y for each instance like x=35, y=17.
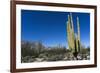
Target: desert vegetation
x=37, y=52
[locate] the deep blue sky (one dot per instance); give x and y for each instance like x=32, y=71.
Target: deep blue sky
x=50, y=27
